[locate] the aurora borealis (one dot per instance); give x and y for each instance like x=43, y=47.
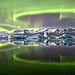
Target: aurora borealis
x=11, y=10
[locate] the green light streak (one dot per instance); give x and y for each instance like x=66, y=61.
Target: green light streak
x=2, y=29
x=3, y=24
x=1, y=45
x=42, y=12
x=41, y=62
x=8, y=25
x=8, y=49
x=67, y=15
x=33, y=45
x=32, y=28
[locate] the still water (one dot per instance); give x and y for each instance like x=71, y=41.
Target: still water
x=50, y=51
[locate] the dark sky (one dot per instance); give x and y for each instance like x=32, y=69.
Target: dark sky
x=50, y=20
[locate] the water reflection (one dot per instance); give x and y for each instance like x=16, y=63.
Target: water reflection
x=52, y=50
x=41, y=42
x=52, y=54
